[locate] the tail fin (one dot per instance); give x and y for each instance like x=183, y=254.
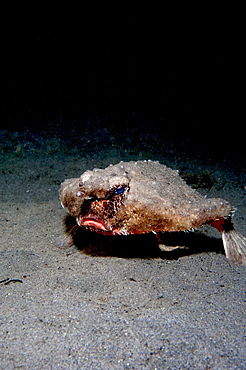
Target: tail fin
x=234, y=245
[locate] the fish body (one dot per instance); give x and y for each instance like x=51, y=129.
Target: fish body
x=142, y=197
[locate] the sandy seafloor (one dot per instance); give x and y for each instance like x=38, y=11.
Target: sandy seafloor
x=113, y=303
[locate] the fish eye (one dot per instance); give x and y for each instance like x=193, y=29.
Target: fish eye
x=115, y=191
x=120, y=190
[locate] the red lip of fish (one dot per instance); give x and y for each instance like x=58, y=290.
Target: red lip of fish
x=97, y=225
x=92, y=222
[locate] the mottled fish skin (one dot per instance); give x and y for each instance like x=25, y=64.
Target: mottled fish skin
x=139, y=197
x=154, y=198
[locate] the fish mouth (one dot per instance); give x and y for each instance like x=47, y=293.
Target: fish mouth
x=97, y=225
x=94, y=223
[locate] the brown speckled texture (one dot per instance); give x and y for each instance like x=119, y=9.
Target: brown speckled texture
x=155, y=198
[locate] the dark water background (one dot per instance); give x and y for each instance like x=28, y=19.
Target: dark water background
x=122, y=75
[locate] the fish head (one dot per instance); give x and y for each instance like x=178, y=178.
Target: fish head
x=96, y=200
